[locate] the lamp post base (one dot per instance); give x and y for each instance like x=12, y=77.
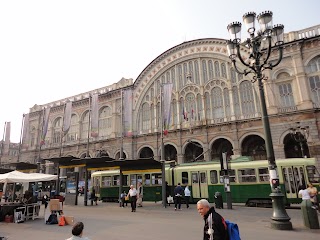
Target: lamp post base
x=280, y=218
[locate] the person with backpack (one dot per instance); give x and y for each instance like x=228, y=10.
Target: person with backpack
x=215, y=227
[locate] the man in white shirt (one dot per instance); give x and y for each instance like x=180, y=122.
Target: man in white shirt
x=133, y=198
x=304, y=193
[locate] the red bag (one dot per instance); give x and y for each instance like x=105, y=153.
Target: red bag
x=62, y=221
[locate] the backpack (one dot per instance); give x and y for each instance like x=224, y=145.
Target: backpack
x=233, y=230
x=62, y=221
x=53, y=219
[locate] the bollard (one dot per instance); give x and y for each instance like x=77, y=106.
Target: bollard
x=310, y=216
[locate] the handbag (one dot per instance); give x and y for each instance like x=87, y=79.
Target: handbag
x=127, y=198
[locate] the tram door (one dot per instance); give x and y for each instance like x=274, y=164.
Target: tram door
x=293, y=178
x=134, y=179
x=199, y=185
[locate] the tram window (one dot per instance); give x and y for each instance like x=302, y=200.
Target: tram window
x=147, y=179
x=106, y=181
x=125, y=180
x=203, y=178
x=133, y=180
x=156, y=179
x=232, y=175
x=195, y=178
x=313, y=174
x=213, y=177
x=247, y=175
x=116, y=180
x=185, y=179
x=263, y=174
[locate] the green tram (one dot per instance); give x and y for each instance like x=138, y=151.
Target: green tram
x=249, y=180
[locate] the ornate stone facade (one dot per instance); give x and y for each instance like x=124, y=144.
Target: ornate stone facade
x=213, y=109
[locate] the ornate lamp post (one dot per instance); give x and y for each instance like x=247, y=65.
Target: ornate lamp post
x=300, y=135
x=257, y=62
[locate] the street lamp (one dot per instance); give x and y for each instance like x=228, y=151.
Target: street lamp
x=300, y=135
x=260, y=45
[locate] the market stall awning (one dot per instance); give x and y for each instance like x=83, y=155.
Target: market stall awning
x=20, y=177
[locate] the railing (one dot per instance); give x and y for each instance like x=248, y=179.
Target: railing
x=304, y=33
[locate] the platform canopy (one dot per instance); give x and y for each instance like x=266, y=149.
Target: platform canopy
x=24, y=166
x=20, y=177
x=104, y=163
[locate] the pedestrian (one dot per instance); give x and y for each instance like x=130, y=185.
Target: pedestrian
x=93, y=197
x=178, y=193
x=304, y=193
x=187, y=195
x=123, y=199
x=313, y=192
x=140, y=194
x=133, y=198
x=77, y=232
x=215, y=227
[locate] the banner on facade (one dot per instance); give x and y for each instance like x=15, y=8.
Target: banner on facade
x=166, y=105
x=45, y=123
x=25, y=131
x=95, y=115
x=127, y=112
x=67, y=118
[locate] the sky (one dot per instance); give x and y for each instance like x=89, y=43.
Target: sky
x=50, y=50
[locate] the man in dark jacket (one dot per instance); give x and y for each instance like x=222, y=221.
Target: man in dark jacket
x=215, y=227
x=178, y=193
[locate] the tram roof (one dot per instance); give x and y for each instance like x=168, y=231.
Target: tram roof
x=104, y=163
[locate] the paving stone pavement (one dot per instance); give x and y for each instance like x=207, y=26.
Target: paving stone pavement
x=152, y=221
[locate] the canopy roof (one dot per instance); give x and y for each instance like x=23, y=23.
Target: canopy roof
x=16, y=176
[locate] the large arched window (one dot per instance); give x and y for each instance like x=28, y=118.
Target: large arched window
x=145, y=117
x=223, y=70
x=208, y=106
x=190, y=105
x=57, y=130
x=191, y=71
x=236, y=102
x=196, y=72
x=85, y=125
x=313, y=69
x=247, y=99
x=210, y=65
x=217, y=69
x=73, y=132
x=204, y=71
x=217, y=103
x=105, y=121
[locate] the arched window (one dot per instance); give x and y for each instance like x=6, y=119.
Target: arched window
x=208, y=106
x=217, y=103
x=57, y=130
x=236, y=102
x=145, y=117
x=191, y=71
x=217, y=69
x=196, y=72
x=180, y=76
x=313, y=69
x=85, y=125
x=247, y=99
x=227, y=102
x=174, y=114
x=105, y=121
x=73, y=132
x=204, y=71
x=185, y=73
x=223, y=70
x=210, y=65
x=173, y=78
x=199, y=105
x=233, y=76
x=286, y=95
x=190, y=105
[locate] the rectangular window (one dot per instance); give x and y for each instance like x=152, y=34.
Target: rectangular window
x=116, y=180
x=147, y=179
x=156, y=178
x=125, y=180
x=263, y=175
x=313, y=174
x=286, y=95
x=106, y=181
x=185, y=178
x=247, y=175
x=213, y=177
